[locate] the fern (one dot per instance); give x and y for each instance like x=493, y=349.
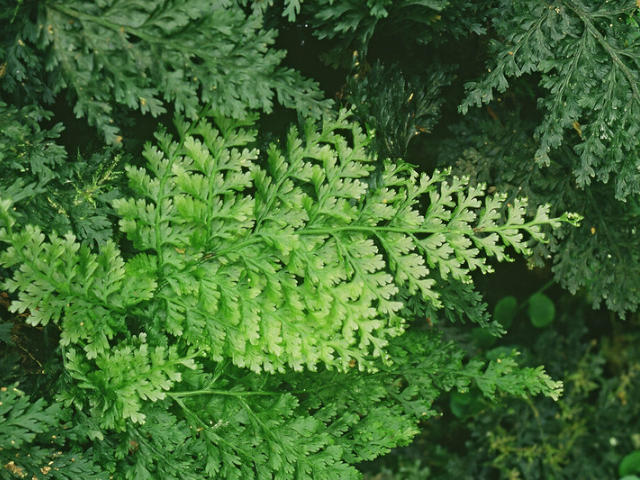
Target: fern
x=599, y=258
x=396, y=107
x=240, y=267
x=145, y=55
x=304, y=246
x=46, y=187
x=576, y=47
x=246, y=425
x=352, y=24
x=32, y=441
x=22, y=419
x=349, y=27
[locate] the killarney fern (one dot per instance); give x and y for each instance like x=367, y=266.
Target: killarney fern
x=586, y=54
x=147, y=56
x=243, y=273
x=48, y=188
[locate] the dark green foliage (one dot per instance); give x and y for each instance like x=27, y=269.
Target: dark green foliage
x=257, y=304
x=348, y=27
x=144, y=55
x=397, y=109
x=586, y=434
x=500, y=150
x=352, y=23
x=601, y=257
x=29, y=154
x=587, y=55
x=45, y=187
x=33, y=441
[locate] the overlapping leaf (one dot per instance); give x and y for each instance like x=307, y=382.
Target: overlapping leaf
x=296, y=260
x=587, y=56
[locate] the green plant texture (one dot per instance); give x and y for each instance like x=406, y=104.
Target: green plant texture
x=319, y=239
x=311, y=272
x=565, y=43
x=145, y=54
x=591, y=432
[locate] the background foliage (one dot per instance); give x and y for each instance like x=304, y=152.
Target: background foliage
x=235, y=297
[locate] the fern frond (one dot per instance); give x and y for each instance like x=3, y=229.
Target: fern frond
x=240, y=265
x=145, y=55
x=577, y=47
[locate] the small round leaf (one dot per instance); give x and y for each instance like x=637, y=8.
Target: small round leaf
x=505, y=310
x=541, y=310
x=483, y=337
x=630, y=464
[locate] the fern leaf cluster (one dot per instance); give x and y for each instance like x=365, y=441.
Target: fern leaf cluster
x=397, y=107
x=296, y=260
x=233, y=302
x=347, y=28
x=599, y=258
x=32, y=441
x=316, y=245
x=577, y=48
x=49, y=189
x=145, y=55
x=578, y=150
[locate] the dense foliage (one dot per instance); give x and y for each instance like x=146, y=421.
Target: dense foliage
x=212, y=268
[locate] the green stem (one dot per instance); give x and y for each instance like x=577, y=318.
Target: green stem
x=209, y=429
x=374, y=229
x=540, y=290
x=545, y=286
x=226, y=393
x=233, y=248
x=70, y=12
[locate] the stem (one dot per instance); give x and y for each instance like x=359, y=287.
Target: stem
x=544, y=287
x=226, y=393
x=409, y=231
x=233, y=248
x=540, y=290
x=70, y=12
